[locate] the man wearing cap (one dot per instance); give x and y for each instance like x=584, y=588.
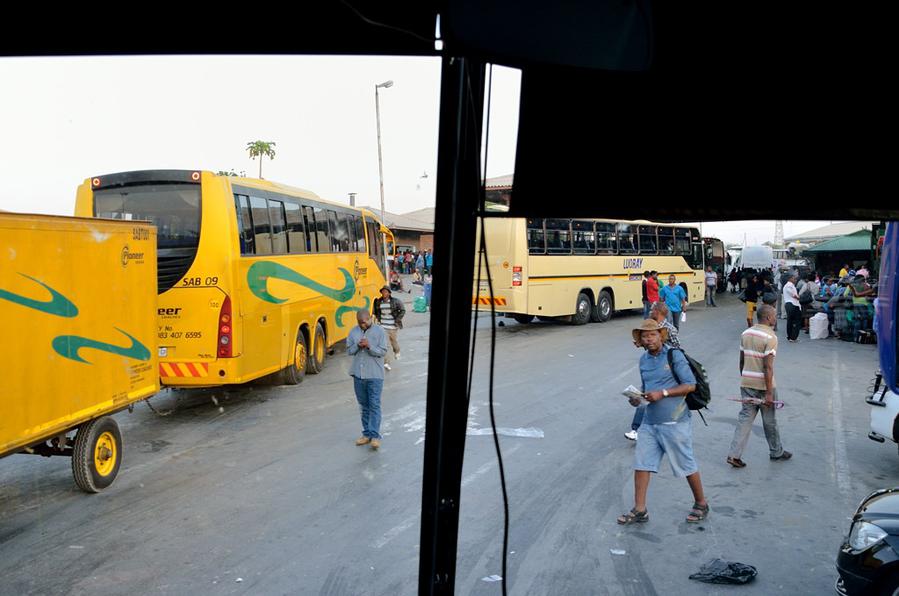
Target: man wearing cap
x=666, y=427
x=389, y=312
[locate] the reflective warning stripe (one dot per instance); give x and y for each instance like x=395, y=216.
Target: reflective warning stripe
x=183, y=369
x=486, y=301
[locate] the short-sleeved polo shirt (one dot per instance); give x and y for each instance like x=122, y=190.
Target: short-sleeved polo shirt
x=757, y=342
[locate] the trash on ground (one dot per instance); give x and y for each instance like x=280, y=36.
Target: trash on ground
x=492, y=578
x=528, y=433
x=718, y=571
x=617, y=551
x=238, y=580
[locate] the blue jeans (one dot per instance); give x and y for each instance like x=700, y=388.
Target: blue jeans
x=368, y=394
x=647, y=306
x=674, y=318
x=638, y=417
x=427, y=293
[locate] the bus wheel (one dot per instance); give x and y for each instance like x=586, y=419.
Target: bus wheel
x=317, y=356
x=295, y=371
x=523, y=319
x=97, y=455
x=603, y=310
x=582, y=312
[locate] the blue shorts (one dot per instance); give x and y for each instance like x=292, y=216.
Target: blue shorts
x=674, y=439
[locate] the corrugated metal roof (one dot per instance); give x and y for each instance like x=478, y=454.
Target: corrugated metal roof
x=832, y=231
x=395, y=221
x=860, y=240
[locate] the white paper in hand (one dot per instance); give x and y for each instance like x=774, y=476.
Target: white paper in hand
x=683, y=317
x=634, y=395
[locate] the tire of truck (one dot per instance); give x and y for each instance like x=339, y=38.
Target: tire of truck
x=317, y=354
x=97, y=455
x=295, y=371
x=523, y=319
x=602, y=312
x=582, y=310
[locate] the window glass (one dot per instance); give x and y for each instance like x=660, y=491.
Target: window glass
x=666, y=240
x=536, y=237
x=173, y=208
x=360, y=233
x=339, y=236
x=648, y=245
x=311, y=236
x=244, y=224
x=583, y=238
x=627, y=239
x=682, y=241
x=321, y=230
x=347, y=220
x=605, y=237
x=262, y=229
x=558, y=236
x=296, y=231
x=279, y=232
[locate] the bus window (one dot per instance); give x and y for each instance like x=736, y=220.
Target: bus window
x=279, y=232
x=375, y=249
x=647, y=236
x=558, y=236
x=360, y=233
x=311, y=236
x=536, y=237
x=262, y=228
x=244, y=224
x=666, y=240
x=296, y=232
x=347, y=220
x=584, y=241
x=682, y=241
x=627, y=243
x=605, y=238
x=339, y=235
x=321, y=230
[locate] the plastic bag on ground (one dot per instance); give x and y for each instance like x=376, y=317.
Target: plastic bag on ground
x=420, y=304
x=817, y=326
x=718, y=571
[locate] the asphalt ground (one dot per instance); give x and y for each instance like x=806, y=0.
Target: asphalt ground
x=264, y=491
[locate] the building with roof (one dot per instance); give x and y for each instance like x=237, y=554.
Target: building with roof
x=414, y=229
x=854, y=249
x=830, y=232
x=499, y=192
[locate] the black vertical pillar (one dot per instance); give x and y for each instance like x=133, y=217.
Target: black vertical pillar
x=458, y=183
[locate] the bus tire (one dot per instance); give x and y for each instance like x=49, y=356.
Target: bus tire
x=317, y=353
x=603, y=310
x=582, y=310
x=295, y=371
x=523, y=319
x=97, y=455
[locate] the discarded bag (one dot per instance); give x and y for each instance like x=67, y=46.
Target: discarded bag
x=718, y=571
x=420, y=304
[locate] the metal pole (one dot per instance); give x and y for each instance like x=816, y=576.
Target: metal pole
x=381, y=175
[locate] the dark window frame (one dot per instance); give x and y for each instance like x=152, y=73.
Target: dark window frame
x=256, y=224
x=542, y=232
x=558, y=250
x=611, y=230
x=622, y=229
x=650, y=232
x=576, y=228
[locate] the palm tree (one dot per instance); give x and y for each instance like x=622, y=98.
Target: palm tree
x=261, y=149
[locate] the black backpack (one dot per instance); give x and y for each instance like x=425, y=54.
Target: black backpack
x=700, y=397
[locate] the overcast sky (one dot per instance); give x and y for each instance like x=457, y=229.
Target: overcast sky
x=65, y=119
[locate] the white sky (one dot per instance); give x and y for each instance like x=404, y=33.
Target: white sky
x=65, y=119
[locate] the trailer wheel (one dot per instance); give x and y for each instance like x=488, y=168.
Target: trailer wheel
x=295, y=371
x=97, y=455
x=317, y=354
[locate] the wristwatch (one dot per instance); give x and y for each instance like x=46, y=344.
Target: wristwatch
x=665, y=392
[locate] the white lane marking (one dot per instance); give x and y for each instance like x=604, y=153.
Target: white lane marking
x=487, y=467
x=841, y=462
x=624, y=373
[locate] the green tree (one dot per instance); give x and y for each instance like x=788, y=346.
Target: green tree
x=261, y=149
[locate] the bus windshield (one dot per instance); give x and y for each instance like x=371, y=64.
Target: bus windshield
x=173, y=208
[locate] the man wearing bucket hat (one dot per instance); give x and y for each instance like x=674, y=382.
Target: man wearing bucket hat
x=666, y=428
x=389, y=312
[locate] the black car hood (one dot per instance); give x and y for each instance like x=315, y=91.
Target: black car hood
x=881, y=509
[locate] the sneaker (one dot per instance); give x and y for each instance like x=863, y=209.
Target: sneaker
x=783, y=456
x=376, y=443
x=631, y=434
x=397, y=355
x=387, y=366
x=363, y=441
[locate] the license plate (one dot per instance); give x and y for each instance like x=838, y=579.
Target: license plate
x=484, y=286
x=163, y=352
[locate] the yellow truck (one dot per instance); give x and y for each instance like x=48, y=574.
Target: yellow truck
x=78, y=305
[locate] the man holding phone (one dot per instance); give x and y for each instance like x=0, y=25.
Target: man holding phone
x=367, y=344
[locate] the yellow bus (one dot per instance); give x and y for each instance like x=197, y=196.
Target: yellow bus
x=254, y=278
x=583, y=269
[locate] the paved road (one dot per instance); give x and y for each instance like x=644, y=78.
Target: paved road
x=270, y=490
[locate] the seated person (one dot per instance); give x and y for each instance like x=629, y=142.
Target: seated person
x=416, y=278
x=396, y=282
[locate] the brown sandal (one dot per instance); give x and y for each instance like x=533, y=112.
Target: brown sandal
x=699, y=513
x=633, y=516
x=736, y=462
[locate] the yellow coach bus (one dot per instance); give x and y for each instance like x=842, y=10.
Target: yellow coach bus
x=583, y=269
x=254, y=278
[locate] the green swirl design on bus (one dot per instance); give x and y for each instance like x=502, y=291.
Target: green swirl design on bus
x=345, y=310
x=58, y=304
x=260, y=272
x=68, y=346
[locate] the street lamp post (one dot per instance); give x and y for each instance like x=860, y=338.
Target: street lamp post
x=385, y=85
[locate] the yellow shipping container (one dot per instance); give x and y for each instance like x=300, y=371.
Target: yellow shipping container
x=78, y=305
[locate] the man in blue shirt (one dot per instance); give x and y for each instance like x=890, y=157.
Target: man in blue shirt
x=675, y=299
x=367, y=344
x=666, y=428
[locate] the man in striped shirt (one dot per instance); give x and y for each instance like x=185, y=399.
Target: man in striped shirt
x=758, y=347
